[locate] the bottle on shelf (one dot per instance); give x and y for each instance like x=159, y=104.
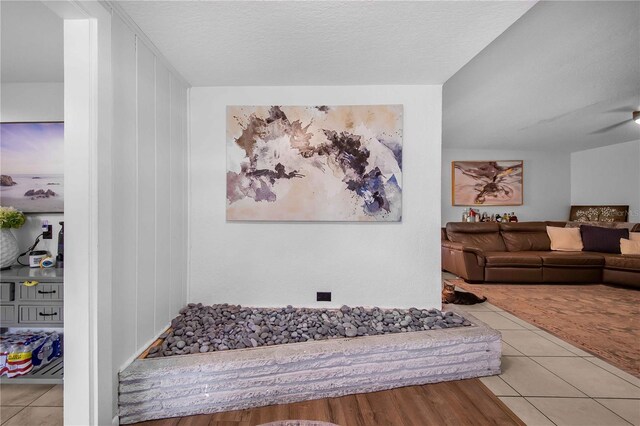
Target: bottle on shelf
x=60, y=256
x=465, y=215
x=513, y=217
x=472, y=215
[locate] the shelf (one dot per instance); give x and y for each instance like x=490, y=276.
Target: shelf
x=50, y=374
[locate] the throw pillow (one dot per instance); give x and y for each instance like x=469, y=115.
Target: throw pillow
x=629, y=246
x=565, y=239
x=605, y=240
x=634, y=236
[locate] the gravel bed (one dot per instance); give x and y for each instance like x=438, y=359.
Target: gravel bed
x=200, y=328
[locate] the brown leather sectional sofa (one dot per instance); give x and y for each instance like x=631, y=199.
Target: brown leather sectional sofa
x=521, y=253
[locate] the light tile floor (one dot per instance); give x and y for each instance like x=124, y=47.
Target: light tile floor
x=547, y=381
x=22, y=405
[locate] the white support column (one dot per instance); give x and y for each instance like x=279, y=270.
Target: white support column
x=80, y=206
x=88, y=390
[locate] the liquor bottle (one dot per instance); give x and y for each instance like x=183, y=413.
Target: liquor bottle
x=513, y=217
x=498, y=218
x=465, y=215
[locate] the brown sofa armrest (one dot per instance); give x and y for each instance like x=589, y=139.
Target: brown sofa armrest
x=459, y=246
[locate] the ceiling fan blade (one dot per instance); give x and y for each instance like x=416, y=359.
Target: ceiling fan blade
x=613, y=126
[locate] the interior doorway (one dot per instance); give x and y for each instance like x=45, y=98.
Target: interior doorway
x=32, y=164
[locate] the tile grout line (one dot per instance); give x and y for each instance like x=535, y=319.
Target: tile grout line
x=543, y=333
x=505, y=343
x=568, y=397
x=561, y=377
x=510, y=387
x=595, y=365
x=523, y=326
x=615, y=397
x=618, y=376
x=18, y=412
x=609, y=409
x=540, y=411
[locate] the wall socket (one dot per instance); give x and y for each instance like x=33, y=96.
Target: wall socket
x=323, y=296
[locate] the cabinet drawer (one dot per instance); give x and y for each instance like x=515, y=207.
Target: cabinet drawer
x=42, y=291
x=7, y=314
x=31, y=314
x=7, y=292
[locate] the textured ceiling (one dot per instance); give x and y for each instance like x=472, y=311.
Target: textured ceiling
x=321, y=42
x=32, y=43
x=565, y=77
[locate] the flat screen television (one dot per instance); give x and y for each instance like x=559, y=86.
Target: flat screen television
x=32, y=164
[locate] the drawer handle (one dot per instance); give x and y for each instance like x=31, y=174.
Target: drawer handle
x=46, y=292
x=47, y=315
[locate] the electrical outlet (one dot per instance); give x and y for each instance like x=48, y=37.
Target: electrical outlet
x=323, y=296
x=47, y=232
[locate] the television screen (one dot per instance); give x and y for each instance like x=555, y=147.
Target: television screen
x=32, y=163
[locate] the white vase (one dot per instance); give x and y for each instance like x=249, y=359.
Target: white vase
x=8, y=248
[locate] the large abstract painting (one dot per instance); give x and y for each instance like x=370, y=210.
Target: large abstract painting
x=491, y=183
x=32, y=163
x=314, y=163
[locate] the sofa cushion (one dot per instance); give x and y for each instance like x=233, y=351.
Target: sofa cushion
x=629, y=247
x=555, y=258
x=525, y=236
x=596, y=238
x=565, y=239
x=624, y=263
x=485, y=236
x=523, y=259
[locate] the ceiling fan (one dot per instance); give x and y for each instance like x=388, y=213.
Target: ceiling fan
x=635, y=116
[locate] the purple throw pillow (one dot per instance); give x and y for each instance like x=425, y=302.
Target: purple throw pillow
x=604, y=240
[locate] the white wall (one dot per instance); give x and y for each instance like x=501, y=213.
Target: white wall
x=608, y=175
x=274, y=264
x=547, y=187
x=149, y=183
x=34, y=102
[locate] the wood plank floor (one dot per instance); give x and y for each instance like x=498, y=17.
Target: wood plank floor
x=463, y=402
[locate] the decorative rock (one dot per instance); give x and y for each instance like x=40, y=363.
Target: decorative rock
x=350, y=331
x=223, y=327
